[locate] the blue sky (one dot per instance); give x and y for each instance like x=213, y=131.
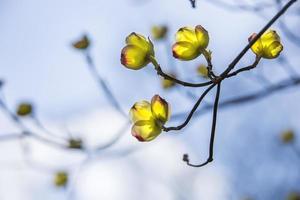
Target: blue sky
x=39, y=64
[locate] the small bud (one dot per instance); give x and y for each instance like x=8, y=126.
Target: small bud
x=1, y=83
x=185, y=158
x=61, y=179
x=159, y=32
x=82, y=44
x=75, y=144
x=202, y=71
x=24, y=109
x=288, y=136
x=293, y=196
x=166, y=83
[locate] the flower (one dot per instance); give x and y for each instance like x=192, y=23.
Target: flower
x=190, y=43
x=135, y=55
x=268, y=45
x=149, y=118
x=159, y=32
x=24, y=109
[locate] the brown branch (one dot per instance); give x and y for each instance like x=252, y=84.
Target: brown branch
x=213, y=132
x=103, y=85
x=166, y=76
x=193, y=3
x=255, y=96
x=191, y=113
x=261, y=32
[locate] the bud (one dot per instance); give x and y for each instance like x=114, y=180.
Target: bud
x=61, y=179
x=1, y=83
x=288, y=136
x=185, y=158
x=166, y=83
x=24, y=109
x=293, y=196
x=135, y=55
x=82, y=44
x=149, y=118
x=159, y=32
x=190, y=43
x=75, y=144
x=268, y=45
x=202, y=71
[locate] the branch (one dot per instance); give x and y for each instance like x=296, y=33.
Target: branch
x=189, y=117
x=213, y=132
x=255, y=96
x=193, y=3
x=109, y=95
x=262, y=31
x=166, y=76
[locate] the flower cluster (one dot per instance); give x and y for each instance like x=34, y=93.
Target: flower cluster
x=268, y=45
x=148, y=118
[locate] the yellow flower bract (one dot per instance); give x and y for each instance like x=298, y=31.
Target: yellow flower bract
x=268, y=45
x=190, y=42
x=148, y=118
x=135, y=55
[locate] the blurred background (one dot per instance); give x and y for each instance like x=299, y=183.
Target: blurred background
x=80, y=95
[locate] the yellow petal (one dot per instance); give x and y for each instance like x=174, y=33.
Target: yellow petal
x=269, y=37
x=139, y=41
x=273, y=50
x=140, y=111
x=160, y=109
x=202, y=36
x=185, y=51
x=134, y=57
x=186, y=34
x=268, y=45
x=145, y=130
x=257, y=47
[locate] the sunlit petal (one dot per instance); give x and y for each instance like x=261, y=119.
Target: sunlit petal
x=186, y=34
x=140, y=111
x=160, y=109
x=185, y=51
x=145, y=130
x=134, y=57
x=202, y=36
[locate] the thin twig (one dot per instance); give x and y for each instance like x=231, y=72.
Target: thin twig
x=261, y=32
x=166, y=76
x=213, y=132
x=255, y=96
x=103, y=85
x=189, y=117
